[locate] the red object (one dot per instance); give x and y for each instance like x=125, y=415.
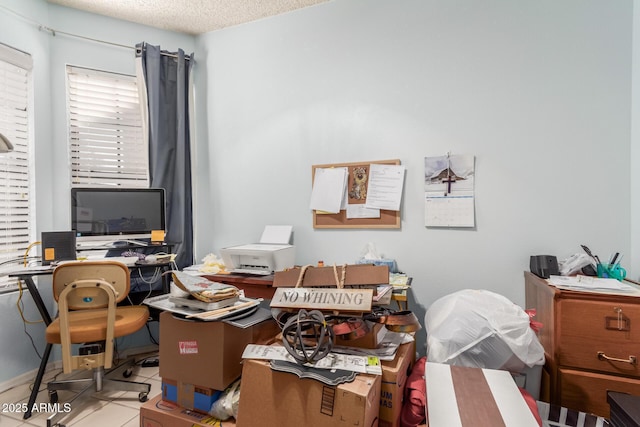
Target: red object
x=531, y=403
x=414, y=408
x=536, y=326
x=414, y=412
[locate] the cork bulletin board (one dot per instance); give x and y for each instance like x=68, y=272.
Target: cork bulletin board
x=356, y=180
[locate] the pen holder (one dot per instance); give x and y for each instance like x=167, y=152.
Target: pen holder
x=608, y=271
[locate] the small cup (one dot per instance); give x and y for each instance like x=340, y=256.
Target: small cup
x=611, y=271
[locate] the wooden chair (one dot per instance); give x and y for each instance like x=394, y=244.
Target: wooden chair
x=87, y=293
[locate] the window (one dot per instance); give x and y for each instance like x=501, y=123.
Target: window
x=16, y=204
x=107, y=147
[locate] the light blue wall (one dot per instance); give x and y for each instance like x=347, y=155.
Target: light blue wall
x=16, y=354
x=51, y=54
x=539, y=92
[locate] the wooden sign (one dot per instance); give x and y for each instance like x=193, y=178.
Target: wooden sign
x=358, y=300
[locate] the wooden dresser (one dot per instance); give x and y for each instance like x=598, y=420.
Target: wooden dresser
x=591, y=342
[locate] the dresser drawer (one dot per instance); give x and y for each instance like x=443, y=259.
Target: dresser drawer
x=587, y=391
x=592, y=333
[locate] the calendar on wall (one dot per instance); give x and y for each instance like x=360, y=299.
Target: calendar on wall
x=449, y=191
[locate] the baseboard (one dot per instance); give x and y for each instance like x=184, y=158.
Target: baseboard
x=28, y=377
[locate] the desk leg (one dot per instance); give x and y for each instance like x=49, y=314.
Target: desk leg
x=37, y=299
x=166, y=280
x=38, y=381
x=44, y=313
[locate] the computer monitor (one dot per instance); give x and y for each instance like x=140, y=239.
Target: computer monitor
x=112, y=214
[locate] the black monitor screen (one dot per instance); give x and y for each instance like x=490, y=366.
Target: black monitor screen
x=114, y=212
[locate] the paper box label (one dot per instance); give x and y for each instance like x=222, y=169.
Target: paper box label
x=188, y=347
x=386, y=399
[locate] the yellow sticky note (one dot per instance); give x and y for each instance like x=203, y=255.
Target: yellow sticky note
x=157, y=235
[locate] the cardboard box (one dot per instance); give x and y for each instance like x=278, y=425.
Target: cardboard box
x=271, y=398
x=207, y=354
x=372, y=338
x=325, y=276
x=394, y=378
x=188, y=396
x=158, y=413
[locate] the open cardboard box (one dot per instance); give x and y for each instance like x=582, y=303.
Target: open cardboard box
x=356, y=275
x=271, y=398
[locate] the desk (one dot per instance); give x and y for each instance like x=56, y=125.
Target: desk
x=27, y=276
x=400, y=297
x=590, y=342
x=253, y=286
x=401, y=292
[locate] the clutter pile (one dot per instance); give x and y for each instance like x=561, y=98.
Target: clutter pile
x=336, y=337
x=327, y=351
x=204, y=328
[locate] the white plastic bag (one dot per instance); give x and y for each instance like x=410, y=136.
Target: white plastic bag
x=575, y=263
x=227, y=405
x=479, y=328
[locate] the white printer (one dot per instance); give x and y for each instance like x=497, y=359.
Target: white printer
x=274, y=252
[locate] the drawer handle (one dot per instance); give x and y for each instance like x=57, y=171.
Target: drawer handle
x=632, y=359
x=618, y=323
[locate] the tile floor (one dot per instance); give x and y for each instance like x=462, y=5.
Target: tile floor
x=104, y=409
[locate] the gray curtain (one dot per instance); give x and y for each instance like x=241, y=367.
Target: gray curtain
x=166, y=78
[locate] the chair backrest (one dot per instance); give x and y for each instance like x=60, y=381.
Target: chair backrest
x=113, y=272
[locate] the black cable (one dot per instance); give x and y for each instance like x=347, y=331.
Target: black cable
x=24, y=325
x=33, y=344
x=308, y=326
x=153, y=340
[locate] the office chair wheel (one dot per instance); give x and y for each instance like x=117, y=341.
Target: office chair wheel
x=53, y=396
x=127, y=373
x=142, y=397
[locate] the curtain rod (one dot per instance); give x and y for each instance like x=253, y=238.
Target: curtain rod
x=54, y=32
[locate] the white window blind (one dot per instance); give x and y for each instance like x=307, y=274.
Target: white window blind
x=107, y=147
x=16, y=203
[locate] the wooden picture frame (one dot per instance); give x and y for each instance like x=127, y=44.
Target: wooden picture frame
x=387, y=219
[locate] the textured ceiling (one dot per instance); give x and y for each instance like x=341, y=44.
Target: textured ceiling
x=188, y=16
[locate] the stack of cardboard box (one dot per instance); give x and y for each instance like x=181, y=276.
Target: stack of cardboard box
x=394, y=378
x=270, y=398
x=198, y=361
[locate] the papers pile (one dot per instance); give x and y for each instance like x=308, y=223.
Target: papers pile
x=202, y=289
x=399, y=280
x=361, y=364
x=592, y=284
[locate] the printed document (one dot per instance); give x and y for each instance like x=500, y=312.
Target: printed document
x=593, y=284
x=329, y=187
x=385, y=186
